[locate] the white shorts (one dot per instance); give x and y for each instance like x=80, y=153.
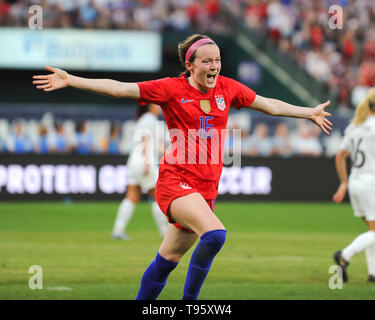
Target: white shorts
x=136, y=176
x=362, y=196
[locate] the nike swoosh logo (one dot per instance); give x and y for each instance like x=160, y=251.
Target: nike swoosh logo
x=184, y=186
x=184, y=101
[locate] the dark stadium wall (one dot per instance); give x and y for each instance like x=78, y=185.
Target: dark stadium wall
x=96, y=177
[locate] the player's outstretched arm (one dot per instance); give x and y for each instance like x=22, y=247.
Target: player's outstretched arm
x=59, y=79
x=340, y=162
x=276, y=107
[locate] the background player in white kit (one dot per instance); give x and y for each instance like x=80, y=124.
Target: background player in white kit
x=142, y=171
x=359, y=143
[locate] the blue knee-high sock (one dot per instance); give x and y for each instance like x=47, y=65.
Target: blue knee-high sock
x=201, y=261
x=155, y=278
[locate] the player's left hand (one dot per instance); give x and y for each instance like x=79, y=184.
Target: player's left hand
x=340, y=193
x=319, y=117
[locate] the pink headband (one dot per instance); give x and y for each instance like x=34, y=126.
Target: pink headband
x=195, y=46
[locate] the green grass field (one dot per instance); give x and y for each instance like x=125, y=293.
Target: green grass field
x=273, y=251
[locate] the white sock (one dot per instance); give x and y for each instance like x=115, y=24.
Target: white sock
x=160, y=218
x=124, y=213
x=360, y=243
x=370, y=258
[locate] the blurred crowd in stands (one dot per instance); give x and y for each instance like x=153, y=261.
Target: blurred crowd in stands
x=157, y=15
x=50, y=136
x=343, y=59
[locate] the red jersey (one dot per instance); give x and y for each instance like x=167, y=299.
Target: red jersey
x=196, y=123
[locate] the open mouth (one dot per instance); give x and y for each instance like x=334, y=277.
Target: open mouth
x=211, y=78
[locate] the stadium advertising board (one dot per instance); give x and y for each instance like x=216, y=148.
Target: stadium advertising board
x=72, y=49
x=52, y=177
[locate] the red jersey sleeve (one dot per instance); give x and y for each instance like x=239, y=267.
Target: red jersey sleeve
x=243, y=96
x=154, y=91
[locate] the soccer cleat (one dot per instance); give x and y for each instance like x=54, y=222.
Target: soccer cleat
x=340, y=261
x=371, y=278
x=121, y=236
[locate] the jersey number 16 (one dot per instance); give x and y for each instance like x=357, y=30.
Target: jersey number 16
x=205, y=127
x=358, y=158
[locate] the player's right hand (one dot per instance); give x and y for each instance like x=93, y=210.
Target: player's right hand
x=340, y=193
x=319, y=117
x=57, y=80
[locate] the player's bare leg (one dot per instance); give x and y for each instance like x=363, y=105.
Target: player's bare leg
x=159, y=217
x=193, y=213
x=151, y=193
x=133, y=193
x=371, y=225
x=176, y=243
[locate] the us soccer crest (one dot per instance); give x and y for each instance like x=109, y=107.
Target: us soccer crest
x=220, y=102
x=205, y=106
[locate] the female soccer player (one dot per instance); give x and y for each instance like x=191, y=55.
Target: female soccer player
x=143, y=172
x=359, y=143
x=195, y=107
